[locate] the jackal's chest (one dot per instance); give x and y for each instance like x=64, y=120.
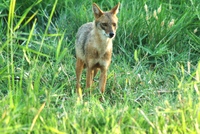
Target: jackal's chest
x=99, y=59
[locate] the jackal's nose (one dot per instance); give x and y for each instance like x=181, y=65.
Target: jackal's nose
x=111, y=34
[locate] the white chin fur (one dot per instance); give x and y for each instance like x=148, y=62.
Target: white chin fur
x=104, y=33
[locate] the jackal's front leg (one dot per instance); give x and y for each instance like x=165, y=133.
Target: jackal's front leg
x=79, y=68
x=102, y=81
x=89, y=76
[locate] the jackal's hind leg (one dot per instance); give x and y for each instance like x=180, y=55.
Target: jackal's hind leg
x=95, y=72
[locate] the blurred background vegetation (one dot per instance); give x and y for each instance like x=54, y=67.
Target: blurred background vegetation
x=147, y=32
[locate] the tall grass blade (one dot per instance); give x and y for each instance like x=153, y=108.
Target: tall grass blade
x=10, y=43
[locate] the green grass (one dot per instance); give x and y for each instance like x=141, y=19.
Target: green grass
x=153, y=81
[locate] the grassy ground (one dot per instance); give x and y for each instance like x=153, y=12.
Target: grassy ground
x=153, y=81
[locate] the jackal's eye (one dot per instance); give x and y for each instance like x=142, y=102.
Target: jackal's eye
x=104, y=24
x=114, y=24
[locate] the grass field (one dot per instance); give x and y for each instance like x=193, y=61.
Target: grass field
x=153, y=81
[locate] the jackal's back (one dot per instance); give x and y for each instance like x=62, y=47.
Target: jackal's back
x=83, y=34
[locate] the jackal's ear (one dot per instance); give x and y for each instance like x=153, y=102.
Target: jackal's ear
x=97, y=11
x=115, y=9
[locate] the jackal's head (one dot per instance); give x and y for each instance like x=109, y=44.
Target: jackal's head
x=106, y=22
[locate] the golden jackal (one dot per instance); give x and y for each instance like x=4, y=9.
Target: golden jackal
x=94, y=46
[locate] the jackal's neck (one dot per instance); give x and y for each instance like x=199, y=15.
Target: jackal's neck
x=101, y=39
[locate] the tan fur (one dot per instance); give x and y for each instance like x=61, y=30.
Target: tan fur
x=94, y=46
